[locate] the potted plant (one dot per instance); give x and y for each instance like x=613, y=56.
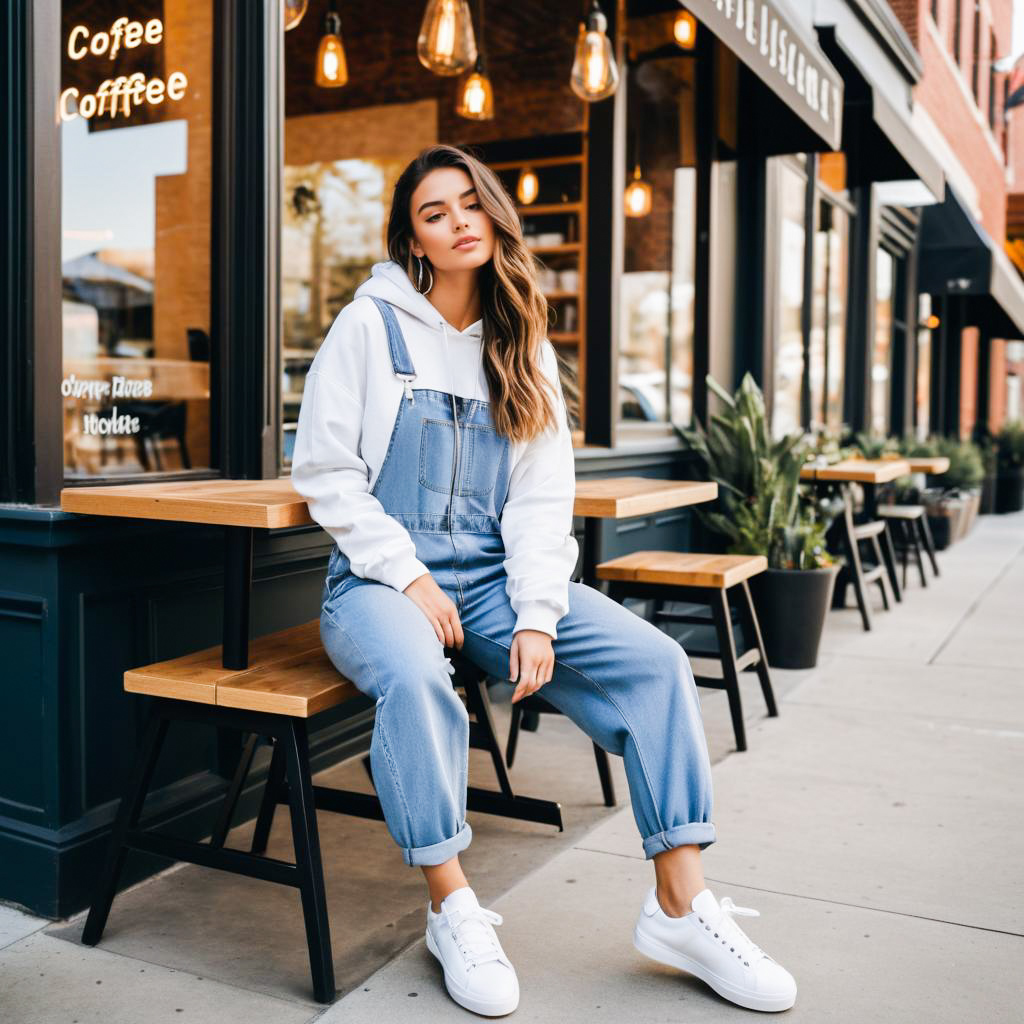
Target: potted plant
x=761, y=510
x=954, y=497
x=1010, y=468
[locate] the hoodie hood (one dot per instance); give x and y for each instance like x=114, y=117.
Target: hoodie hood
x=390, y=282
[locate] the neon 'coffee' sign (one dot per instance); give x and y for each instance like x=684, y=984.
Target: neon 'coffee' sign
x=116, y=96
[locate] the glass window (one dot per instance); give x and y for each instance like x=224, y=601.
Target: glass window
x=881, y=357
x=789, y=342
x=136, y=153
x=657, y=291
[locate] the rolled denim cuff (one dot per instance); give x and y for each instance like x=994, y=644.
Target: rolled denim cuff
x=699, y=833
x=440, y=852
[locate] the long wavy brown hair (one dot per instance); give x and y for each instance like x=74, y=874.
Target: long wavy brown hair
x=514, y=310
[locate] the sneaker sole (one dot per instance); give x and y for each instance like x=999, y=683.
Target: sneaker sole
x=671, y=958
x=463, y=998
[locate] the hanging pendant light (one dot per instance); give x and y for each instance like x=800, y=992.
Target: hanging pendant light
x=594, y=73
x=446, y=44
x=528, y=186
x=331, y=66
x=684, y=30
x=294, y=12
x=637, y=200
x=476, y=97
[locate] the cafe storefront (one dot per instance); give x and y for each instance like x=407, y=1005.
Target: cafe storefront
x=194, y=192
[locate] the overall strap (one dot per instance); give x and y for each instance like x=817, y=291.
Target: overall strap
x=400, y=359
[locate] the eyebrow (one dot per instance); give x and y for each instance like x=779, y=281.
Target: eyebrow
x=438, y=202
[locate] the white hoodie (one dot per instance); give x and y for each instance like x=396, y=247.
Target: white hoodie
x=349, y=406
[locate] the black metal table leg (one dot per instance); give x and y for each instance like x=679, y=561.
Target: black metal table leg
x=237, y=588
x=591, y=550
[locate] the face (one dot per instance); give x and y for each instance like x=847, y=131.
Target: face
x=446, y=211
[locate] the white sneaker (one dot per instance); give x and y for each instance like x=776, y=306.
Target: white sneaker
x=707, y=942
x=477, y=973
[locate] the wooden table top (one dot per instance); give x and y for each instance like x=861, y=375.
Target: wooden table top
x=272, y=504
x=265, y=504
x=929, y=464
x=862, y=471
x=619, y=497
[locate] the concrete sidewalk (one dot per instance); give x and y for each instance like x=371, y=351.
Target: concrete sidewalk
x=876, y=825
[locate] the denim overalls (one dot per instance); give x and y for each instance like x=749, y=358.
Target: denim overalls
x=623, y=681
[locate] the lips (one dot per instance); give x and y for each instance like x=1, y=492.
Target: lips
x=465, y=241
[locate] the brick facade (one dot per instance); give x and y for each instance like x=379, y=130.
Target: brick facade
x=956, y=100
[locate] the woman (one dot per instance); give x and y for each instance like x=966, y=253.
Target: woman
x=433, y=446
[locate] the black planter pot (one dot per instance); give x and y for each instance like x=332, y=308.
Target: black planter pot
x=791, y=606
x=1010, y=490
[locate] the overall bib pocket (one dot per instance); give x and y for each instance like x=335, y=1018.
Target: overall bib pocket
x=479, y=454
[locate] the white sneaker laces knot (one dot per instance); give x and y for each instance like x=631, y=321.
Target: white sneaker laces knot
x=734, y=934
x=472, y=932
x=729, y=907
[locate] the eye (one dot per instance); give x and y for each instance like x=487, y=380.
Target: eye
x=474, y=206
x=432, y=218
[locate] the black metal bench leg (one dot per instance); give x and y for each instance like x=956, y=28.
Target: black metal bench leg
x=513, y=735
x=889, y=557
x=727, y=652
x=271, y=797
x=223, y=826
x=306, y=838
x=929, y=544
x=480, y=706
x=604, y=770
x=128, y=812
x=914, y=543
x=753, y=630
x=883, y=579
x=853, y=563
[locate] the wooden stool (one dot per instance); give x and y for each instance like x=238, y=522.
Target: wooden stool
x=844, y=534
x=290, y=679
x=710, y=580
x=915, y=534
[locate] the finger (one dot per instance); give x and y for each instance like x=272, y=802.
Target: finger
x=438, y=631
x=460, y=637
x=449, y=633
x=513, y=661
x=520, y=692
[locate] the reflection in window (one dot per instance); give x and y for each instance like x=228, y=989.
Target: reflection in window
x=135, y=114
x=828, y=317
x=656, y=308
x=881, y=357
x=332, y=232
x=789, y=346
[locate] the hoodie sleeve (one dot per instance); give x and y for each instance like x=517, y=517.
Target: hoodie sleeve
x=536, y=521
x=329, y=473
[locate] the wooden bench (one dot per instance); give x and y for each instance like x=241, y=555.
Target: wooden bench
x=290, y=680
x=716, y=581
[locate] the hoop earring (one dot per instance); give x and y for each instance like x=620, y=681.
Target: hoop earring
x=419, y=276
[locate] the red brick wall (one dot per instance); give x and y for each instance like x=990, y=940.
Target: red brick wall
x=946, y=92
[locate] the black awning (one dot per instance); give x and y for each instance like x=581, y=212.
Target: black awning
x=959, y=258
x=786, y=57
x=879, y=141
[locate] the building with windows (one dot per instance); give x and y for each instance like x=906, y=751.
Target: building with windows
x=775, y=187
x=974, y=292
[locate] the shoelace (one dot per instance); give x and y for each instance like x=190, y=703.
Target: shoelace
x=733, y=933
x=472, y=934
